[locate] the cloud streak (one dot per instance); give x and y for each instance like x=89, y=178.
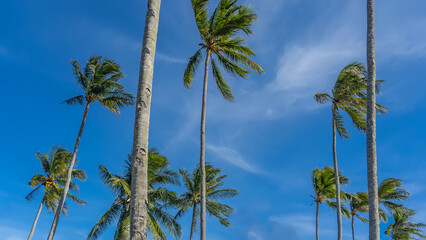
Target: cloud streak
x=234, y=158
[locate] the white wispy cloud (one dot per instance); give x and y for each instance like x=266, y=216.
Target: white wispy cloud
x=233, y=157
x=171, y=59
x=310, y=61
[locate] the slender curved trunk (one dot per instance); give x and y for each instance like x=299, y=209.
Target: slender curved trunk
x=317, y=222
x=139, y=192
x=353, y=228
x=194, y=212
x=203, y=151
x=373, y=200
x=35, y=220
x=69, y=175
x=337, y=179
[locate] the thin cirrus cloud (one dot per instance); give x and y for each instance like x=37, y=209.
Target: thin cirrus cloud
x=233, y=157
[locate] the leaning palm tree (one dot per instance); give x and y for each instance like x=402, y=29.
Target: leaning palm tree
x=325, y=190
x=374, y=218
x=159, y=198
x=390, y=195
x=214, y=192
x=221, y=37
x=358, y=203
x=348, y=95
x=138, y=212
x=100, y=82
x=54, y=165
x=402, y=228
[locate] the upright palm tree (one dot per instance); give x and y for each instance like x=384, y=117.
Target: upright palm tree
x=358, y=203
x=402, y=228
x=348, y=95
x=159, y=198
x=324, y=186
x=214, y=192
x=100, y=82
x=390, y=194
x=374, y=218
x=138, y=212
x=220, y=37
x=54, y=165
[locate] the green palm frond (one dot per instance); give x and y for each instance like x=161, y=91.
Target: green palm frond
x=231, y=67
x=220, y=82
x=323, y=183
x=108, y=217
x=349, y=94
x=214, y=192
x=190, y=69
x=55, y=165
x=322, y=97
x=220, y=37
x=123, y=226
x=75, y=100
x=201, y=15
x=100, y=82
x=391, y=193
x=219, y=211
x=159, y=197
x=340, y=125
x=402, y=228
x=33, y=193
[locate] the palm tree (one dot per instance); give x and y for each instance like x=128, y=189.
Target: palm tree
x=55, y=165
x=214, y=192
x=402, y=228
x=324, y=186
x=219, y=35
x=358, y=203
x=389, y=194
x=138, y=212
x=348, y=95
x=159, y=198
x=100, y=82
x=374, y=218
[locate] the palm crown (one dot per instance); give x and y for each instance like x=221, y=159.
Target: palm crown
x=219, y=37
x=390, y=193
x=55, y=166
x=159, y=198
x=214, y=193
x=402, y=228
x=350, y=95
x=100, y=82
x=358, y=203
x=323, y=182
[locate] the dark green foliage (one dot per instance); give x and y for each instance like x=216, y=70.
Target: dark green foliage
x=214, y=193
x=159, y=199
x=402, y=228
x=100, y=82
x=324, y=185
x=55, y=165
x=219, y=34
x=350, y=95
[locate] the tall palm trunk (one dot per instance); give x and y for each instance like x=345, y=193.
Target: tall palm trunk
x=139, y=192
x=353, y=228
x=317, y=221
x=373, y=200
x=336, y=176
x=35, y=220
x=194, y=212
x=203, y=151
x=69, y=175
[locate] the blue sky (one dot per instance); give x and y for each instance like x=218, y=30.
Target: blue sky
x=267, y=141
